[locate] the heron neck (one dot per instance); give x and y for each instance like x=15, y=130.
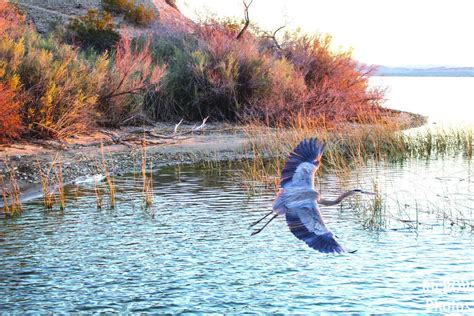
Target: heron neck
x=338, y=200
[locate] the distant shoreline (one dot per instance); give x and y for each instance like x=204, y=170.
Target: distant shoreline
x=424, y=75
x=384, y=71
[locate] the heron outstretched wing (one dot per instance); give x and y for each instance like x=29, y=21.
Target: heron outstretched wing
x=307, y=151
x=306, y=223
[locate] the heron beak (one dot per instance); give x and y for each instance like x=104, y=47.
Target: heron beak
x=367, y=192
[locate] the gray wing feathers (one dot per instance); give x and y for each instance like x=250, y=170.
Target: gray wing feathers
x=305, y=221
x=293, y=198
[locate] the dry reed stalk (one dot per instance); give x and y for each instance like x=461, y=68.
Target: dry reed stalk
x=58, y=173
x=147, y=180
x=108, y=177
x=98, y=196
x=97, y=189
x=48, y=196
x=9, y=210
x=15, y=194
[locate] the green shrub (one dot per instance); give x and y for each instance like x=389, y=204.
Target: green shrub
x=136, y=14
x=94, y=30
x=117, y=6
x=213, y=75
x=140, y=15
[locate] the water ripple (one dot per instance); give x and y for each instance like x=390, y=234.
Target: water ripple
x=196, y=255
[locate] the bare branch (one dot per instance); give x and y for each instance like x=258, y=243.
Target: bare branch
x=273, y=36
x=247, y=18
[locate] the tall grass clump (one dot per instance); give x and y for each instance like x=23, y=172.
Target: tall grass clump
x=52, y=184
x=58, y=176
x=212, y=73
x=103, y=166
x=374, y=211
x=147, y=179
x=349, y=145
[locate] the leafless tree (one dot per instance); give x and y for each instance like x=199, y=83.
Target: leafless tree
x=246, y=16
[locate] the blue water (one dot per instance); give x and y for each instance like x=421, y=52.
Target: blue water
x=194, y=253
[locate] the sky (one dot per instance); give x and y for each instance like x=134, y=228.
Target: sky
x=380, y=32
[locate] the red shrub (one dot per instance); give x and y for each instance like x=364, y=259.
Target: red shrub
x=10, y=120
x=337, y=84
x=10, y=18
x=131, y=75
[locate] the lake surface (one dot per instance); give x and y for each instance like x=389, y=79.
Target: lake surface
x=195, y=254
x=193, y=251
x=442, y=99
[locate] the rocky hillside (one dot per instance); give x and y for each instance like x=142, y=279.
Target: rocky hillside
x=46, y=14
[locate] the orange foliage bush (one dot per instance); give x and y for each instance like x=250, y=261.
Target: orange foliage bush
x=10, y=120
x=11, y=18
x=337, y=85
x=250, y=78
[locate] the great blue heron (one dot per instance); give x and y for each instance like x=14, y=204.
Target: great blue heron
x=298, y=199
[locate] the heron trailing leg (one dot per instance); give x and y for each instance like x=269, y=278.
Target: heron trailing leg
x=256, y=222
x=255, y=232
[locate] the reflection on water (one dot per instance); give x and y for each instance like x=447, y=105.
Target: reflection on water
x=196, y=254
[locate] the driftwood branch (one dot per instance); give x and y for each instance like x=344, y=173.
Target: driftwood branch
x=151, y=135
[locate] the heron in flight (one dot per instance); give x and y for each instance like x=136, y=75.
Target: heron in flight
x=298, y=200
